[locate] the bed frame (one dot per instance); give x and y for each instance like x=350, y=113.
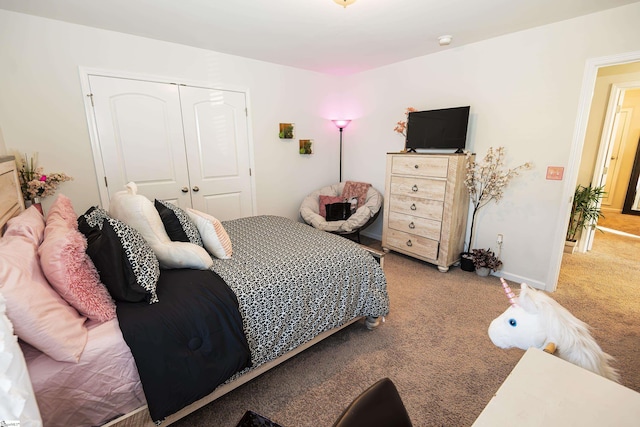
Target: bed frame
x=12, y=203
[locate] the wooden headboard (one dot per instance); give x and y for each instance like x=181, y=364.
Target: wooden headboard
x=11, y=201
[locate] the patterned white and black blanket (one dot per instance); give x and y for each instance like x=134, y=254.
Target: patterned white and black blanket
x=294, y=282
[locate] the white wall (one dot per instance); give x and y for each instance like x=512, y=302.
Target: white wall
x=524, y=89
x=42, y=105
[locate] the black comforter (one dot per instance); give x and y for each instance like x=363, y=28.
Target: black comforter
x=188, y=343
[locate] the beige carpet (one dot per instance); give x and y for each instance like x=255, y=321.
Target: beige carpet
x=621, y=222
x=434, y=344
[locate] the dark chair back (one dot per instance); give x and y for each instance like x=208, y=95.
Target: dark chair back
x=378, y=406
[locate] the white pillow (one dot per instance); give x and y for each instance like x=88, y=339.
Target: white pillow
x=138, y=212
x=214, y=236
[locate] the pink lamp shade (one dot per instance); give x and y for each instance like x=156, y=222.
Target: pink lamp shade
x=341, y=124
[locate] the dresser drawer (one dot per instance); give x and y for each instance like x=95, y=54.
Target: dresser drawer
x=405, y=242
x=424, y=188
x=423, y=208
x=428, y=228
x=420, y=166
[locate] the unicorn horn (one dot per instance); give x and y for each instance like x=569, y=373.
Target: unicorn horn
x=510, y=294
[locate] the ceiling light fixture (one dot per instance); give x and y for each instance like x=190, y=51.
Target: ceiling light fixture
x=445, y=40
x=344, y=3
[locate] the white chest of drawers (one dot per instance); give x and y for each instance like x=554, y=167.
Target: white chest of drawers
x=426, y=207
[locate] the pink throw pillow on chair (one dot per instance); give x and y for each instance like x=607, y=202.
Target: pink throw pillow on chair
x=356, y=189
x=327, y=200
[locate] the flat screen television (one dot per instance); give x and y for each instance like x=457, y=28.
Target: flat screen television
x=443, y=129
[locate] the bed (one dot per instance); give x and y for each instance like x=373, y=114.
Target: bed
x=292, y=286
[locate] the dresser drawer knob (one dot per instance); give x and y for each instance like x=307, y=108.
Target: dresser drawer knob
x=414, y=188
x=416, y=166
x=412, y=225
x=413, y=207
x=409, y=243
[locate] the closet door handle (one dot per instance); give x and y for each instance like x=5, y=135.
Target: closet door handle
x=184, y=189
x=196, y=189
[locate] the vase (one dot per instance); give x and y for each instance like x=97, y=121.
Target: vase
x=570, y=246
x=483, y=271
x=466, y=261
x=36, y=203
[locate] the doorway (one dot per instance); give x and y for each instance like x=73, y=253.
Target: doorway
x=617, y=164
x=582, y=161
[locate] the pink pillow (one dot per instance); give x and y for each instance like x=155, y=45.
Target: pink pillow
x=356, y=189
x=67, y=266
x=29, y=224
x=39, y=315
x=327, y=200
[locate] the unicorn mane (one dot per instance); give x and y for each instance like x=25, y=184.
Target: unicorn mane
x=572, y=337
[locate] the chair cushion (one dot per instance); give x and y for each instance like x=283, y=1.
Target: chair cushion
x=310, y=210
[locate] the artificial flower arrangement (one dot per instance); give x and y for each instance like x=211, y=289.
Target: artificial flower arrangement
x=486, y=180
x=401, y=126
x=35, y=184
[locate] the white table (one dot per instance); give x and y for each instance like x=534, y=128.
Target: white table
x=544, y=390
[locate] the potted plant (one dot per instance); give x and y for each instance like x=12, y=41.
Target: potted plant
x=485, y=261
x=585, y=212
x=486, y=181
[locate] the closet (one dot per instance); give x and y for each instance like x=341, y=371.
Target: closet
x=184, y=144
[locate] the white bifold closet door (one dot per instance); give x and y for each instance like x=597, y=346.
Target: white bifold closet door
x=184, y=144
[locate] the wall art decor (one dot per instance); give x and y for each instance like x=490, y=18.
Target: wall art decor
x=306, y=146
x=287, y=130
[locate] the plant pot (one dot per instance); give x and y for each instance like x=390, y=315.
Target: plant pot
x=570, y=246
x=483, y=271
x=466, y=261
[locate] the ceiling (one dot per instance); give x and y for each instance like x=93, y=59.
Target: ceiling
x=315, y=35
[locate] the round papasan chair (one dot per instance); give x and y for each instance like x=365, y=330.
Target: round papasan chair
x=367, y=211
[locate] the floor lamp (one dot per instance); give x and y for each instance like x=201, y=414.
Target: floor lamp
x=341, y=124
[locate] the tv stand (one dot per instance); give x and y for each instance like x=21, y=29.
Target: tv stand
x=459, y=151
x=411, y=150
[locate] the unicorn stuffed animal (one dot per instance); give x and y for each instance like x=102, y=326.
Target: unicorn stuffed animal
x=535, y=320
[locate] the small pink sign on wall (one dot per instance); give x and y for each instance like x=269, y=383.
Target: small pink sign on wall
x=555, y=173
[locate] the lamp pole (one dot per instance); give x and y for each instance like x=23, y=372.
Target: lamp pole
x=340, y=155
x=341, y=124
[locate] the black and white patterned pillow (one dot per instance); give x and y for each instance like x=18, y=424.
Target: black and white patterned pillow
x=126, y=264
x=177, y=224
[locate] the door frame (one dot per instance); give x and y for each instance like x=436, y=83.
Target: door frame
x=85, y=72
x=616, y=99
x=575, y=156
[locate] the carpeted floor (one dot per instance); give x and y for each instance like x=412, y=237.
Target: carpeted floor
x=621, y=222
x=434, y=344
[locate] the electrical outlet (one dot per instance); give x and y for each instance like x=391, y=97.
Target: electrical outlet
x=499, y=239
